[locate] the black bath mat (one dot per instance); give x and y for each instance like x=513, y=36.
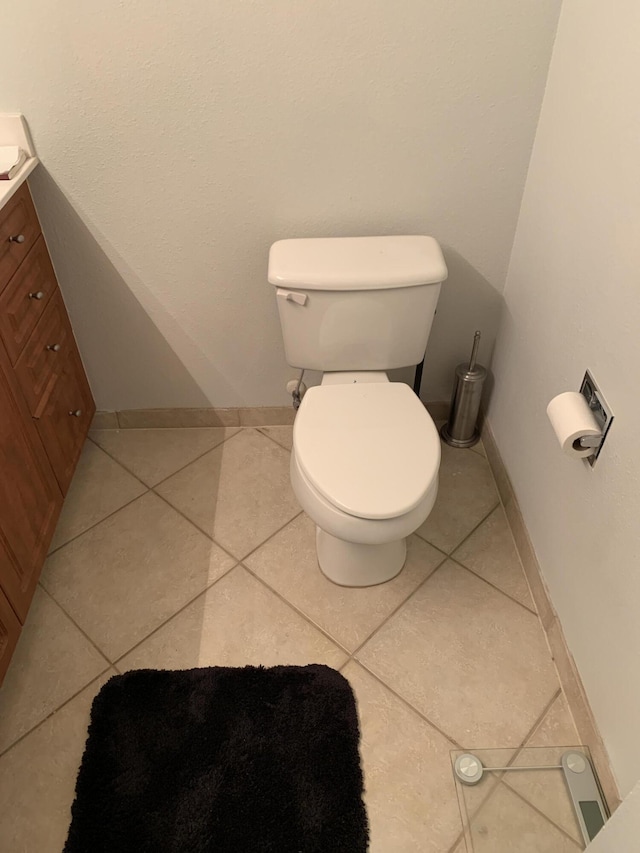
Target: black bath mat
x=245, y=760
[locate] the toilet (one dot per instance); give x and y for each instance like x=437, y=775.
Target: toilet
x=366, y=452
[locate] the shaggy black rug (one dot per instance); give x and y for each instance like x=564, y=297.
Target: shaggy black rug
x=248, y=760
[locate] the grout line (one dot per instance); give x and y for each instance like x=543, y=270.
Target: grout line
x=54, y=712
x=464, y=539
x=307, y=618
x=95, y=524
x=271, y=438
x=73, y=621
x=197, y=458
x=237, y=563
x=173, y=615
x=497, y=588
x=270, y=537
x=541, y=813
x=117, y=461
x=460, y=838
x=193, y=524
x=408, y=704
x=178, y=470
x=390, y=615
x=534, y=728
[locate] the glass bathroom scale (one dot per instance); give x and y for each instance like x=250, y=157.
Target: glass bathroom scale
x=532, y=800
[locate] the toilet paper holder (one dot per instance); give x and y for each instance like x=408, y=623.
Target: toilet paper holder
x=601, y=412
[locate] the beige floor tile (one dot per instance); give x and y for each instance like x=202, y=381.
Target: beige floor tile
x=410, y=793
x=466, y=494
x=99, y=487
x=239, y=493
x=130, y=573
x=235, y=623
x=154, y=454
x=557, y=727
x=491, y=553
x=547, y=791
x=507, y=823
x=282, y=434
x=469, y=658
x=38, y=778
x=52, y=662
x=288, y=563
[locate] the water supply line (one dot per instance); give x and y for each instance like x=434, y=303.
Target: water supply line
x=296, y=393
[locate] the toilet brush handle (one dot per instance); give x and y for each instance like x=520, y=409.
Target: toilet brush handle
x=474, y=351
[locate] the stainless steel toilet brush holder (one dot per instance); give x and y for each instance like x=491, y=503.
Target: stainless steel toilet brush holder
x=461, y=429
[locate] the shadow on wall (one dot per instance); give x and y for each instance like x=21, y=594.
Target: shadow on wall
x=467, y=302
x=128, y=352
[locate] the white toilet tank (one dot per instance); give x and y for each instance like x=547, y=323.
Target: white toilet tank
x=356, y=303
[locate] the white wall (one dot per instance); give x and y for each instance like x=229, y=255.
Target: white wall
x=573, y=302
x=179, y=139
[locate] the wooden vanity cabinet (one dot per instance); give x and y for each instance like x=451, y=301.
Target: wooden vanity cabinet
x=46, y=409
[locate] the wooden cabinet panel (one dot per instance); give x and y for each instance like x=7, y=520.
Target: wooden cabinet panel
x=19, y=228
x=23, y=301
x=10, y=629
x=42, y=360
x=65, y=420
x=29, y=495
x=46, y=409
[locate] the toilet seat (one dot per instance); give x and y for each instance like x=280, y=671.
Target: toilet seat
x=370, y=449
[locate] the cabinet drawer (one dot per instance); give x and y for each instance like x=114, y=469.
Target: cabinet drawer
x=19, y=228
x=23, y=301
x=42, y=360
x=9, y=632
x=65, y=419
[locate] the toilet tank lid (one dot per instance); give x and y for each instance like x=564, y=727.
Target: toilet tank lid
x=356, y=263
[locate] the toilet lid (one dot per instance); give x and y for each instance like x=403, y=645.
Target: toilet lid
x=371, y=449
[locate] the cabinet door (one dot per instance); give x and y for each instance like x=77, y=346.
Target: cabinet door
x=29, y=496
x=65, y=420
x=9, y=632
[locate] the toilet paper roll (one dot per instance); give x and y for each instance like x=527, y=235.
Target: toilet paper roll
x=571, y=418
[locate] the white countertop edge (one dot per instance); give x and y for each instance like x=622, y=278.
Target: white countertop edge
x=9, y=188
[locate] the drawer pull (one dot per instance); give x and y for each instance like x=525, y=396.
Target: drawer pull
x=54, y=347
x=76, y=414
x=39, y=294
x=19, y=238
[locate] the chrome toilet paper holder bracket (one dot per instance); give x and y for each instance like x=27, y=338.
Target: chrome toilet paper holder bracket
x=601, y=412
x=590, y=441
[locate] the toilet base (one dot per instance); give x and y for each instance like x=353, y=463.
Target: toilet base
x=353, y=564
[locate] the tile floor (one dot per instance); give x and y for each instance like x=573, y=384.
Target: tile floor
x=186, y=547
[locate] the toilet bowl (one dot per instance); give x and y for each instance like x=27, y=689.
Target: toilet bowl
x=364, y=467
